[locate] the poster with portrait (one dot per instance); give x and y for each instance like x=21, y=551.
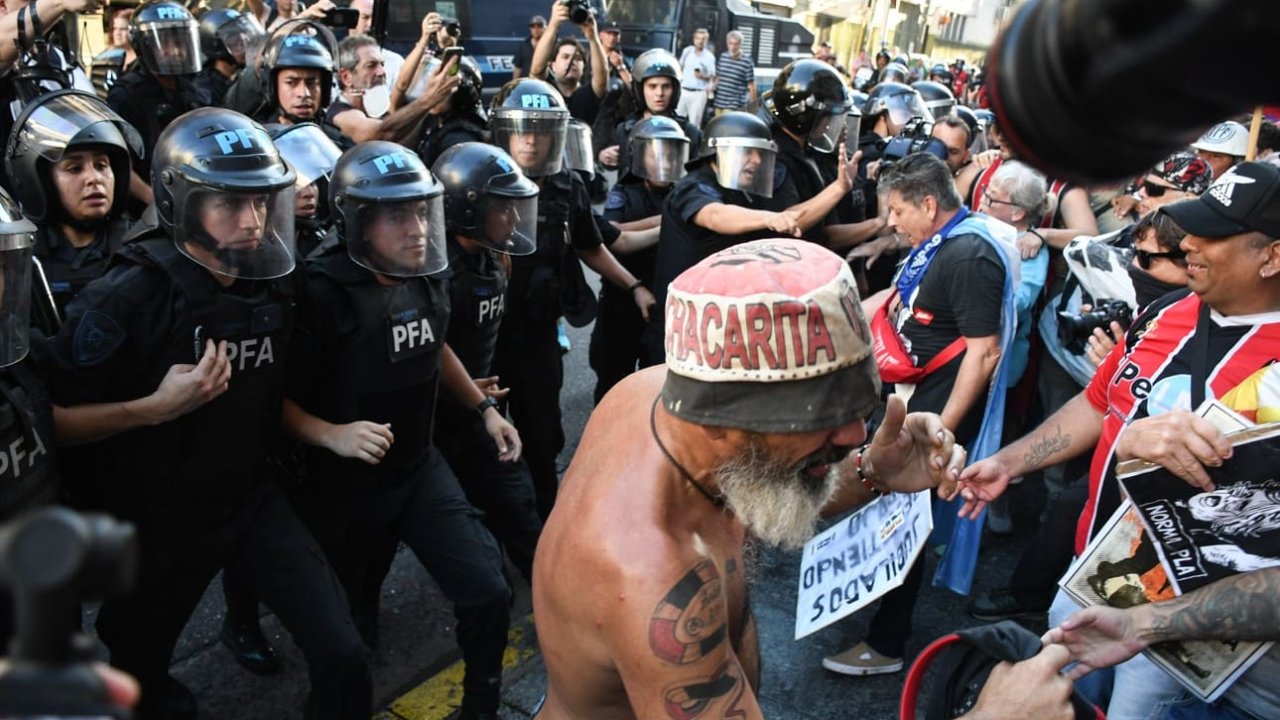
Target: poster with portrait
x=1121, y=568
x=1203, y=536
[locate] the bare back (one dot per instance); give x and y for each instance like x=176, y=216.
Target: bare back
x=639, y=585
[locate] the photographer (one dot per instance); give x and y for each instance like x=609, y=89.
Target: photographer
x=363, y=80
x=564, y=58
x=392, y=61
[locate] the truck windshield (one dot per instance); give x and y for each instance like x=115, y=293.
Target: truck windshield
x=662, y=13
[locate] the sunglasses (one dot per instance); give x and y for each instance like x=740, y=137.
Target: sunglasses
x=1154, y=190
x=1145, y=258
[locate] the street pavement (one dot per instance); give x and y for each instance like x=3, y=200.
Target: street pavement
x=417, y=672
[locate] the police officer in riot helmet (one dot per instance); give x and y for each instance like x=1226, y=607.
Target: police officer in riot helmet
x=895, y=72
x=224, y=36
x=298, y=71
x=169, y=375
x=658, y=149
x=937, y=97
x=313, y=156
x=70, y=158
x=882, y=59
x=458, y=118
x=362, y=400
x=158, y=88
x=491, y=211
x=655, y=88
x=528, y=120
x=28, y=477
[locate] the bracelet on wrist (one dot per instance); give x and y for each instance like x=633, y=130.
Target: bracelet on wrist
x=485, y=404
x=862, y=474
x=635, y=285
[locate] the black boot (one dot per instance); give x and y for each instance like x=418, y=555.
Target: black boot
x=246, y=642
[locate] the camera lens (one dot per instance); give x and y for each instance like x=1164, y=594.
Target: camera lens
x=453, y=27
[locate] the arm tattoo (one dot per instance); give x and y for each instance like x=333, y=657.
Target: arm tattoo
x=688, y=701
x=690, y=621
x=1042, y=448
x=1240, y=607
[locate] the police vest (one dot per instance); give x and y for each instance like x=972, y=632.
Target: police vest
x=27, y=474
x=387, y=363
x=215, y=452
x=631, y=199
x=478, y=295
x=536, y=279
x=69, y=269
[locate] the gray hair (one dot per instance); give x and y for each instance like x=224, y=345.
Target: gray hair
x=734, y=35
x=919, y=176
x=349, y=50
x=1027, y=188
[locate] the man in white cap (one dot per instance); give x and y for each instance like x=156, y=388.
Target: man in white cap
x=1223, y=146
x=755, y=426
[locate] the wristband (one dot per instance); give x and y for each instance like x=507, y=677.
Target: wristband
x=862, y=476
x=485, y=404
x=637, y=284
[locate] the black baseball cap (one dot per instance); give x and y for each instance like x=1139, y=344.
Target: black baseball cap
x=1245, y=199
x=611, y=26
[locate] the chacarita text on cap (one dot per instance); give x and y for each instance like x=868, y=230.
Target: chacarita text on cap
x=749, y=336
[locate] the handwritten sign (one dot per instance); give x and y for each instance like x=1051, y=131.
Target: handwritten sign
x=862, y=557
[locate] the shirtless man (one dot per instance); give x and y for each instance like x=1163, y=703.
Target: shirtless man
x=752, y=428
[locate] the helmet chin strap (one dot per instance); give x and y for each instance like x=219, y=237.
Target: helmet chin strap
x=295, y=119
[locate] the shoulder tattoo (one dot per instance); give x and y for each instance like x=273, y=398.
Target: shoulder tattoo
x=690, y=621
x=689, y=700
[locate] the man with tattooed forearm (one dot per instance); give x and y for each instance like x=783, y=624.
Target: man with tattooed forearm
x=754, y=427
x=1215, y=341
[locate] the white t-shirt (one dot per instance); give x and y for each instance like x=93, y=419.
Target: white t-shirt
x=692, y=58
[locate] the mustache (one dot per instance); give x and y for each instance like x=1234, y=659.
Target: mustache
x=828, y=454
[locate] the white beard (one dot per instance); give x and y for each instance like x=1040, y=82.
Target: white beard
x=771, y=497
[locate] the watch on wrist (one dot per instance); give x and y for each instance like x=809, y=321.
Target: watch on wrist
x=485, y=404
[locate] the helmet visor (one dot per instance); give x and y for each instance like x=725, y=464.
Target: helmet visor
x=852, y=129
x=54, y=124
x=940, y=108
x=400, y=239
x=534, y=139
x=310, y=152
x=170, y=48
x=508, y=224
x=240, y=234
x=15, y=296
x=578, y=148
x=902, y=108
x=826, y=133
x=746, y=167
x=659, y=160
x=238, y=33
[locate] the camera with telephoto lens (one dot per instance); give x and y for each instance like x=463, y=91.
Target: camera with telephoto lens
x=913, y=139
x=1072, y=329
x=579, y=11
x=452, y=26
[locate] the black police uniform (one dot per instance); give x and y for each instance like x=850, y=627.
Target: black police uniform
x=797, y=168
x=196, y=486
x=616, y=346
x=503, y=490
x=28, y=474
x=384, y=343
x=140, y=99
x=441, y=132
x=544, y=286
x=212, y=84
x=69, y=269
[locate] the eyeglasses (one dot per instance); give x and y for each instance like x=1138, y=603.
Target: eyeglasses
x=1145, y=258
x=986, y=197
x=1154, y=190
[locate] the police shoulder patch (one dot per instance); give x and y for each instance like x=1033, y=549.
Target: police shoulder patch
x=616, y=200
x=97, y=338
x=708, y=189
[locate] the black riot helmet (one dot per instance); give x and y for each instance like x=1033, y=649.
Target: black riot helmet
x=937, y=97
x=900, y=102
x=743, y=150
x=529, y=120
x=659, y=150
x=388, y=210
x=487, y=199
x=298, y=50
x=940, y=73
x=653, y=64
x=166, y=38
x=895, y=72
x=53, y=125
x=809, y=100
x=311, y=154
x=977, y=132
x=224, y=194
x=17, y=243
x=224, y=34
x=884, y=55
